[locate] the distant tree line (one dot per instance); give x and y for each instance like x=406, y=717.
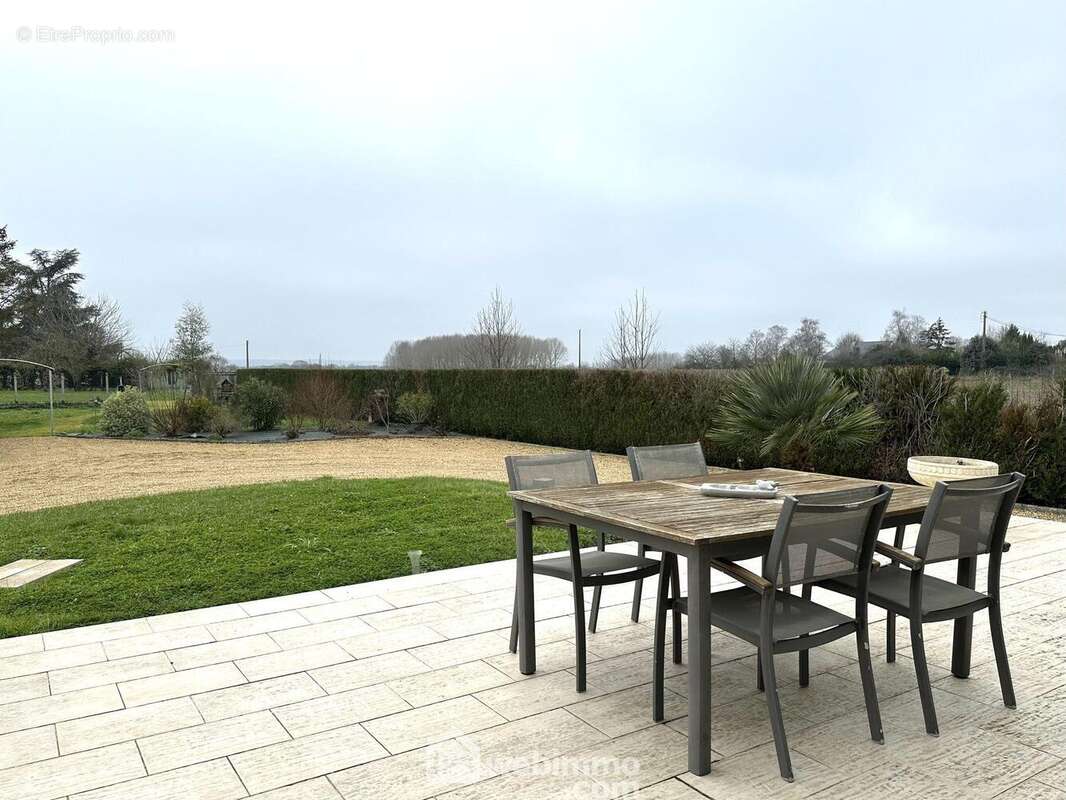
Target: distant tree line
x=44, y=318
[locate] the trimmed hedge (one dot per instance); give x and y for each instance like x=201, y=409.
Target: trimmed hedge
x=608, y=410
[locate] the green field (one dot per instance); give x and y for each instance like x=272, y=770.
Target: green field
x=151, y=555
x=34, y=421
x=41, y=396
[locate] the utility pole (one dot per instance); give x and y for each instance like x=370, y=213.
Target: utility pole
x=984, y=338
x=579, y=348
x=247, y=360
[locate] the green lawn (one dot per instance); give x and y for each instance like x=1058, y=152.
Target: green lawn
x=41, y=396
x=34, y=421
x=151, y=555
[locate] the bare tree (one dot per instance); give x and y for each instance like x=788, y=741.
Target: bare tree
x=776, y=338
x=496, y=332
x=848, y=345
x=631, y=344
x=904, y=329
x=702, y=356
x=809, y=339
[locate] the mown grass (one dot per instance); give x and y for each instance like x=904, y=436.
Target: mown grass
x=152, y=555
x=34, y=421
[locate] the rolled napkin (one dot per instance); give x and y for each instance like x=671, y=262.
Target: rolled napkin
x=766, y=491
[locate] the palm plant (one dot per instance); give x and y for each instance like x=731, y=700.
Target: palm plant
x=788, y=409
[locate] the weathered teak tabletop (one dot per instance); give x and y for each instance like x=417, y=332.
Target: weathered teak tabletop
x=673, y=516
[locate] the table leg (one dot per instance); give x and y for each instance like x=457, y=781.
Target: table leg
x=699, y=661
x=527, y=640
x=961, y=645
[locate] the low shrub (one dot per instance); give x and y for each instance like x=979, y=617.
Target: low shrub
x=414, y=408
x=125, y=414
x=168, y=417
x=323, y=396
x=349, y=427
x=261, y=404
x=197, y=412
x=223, y=422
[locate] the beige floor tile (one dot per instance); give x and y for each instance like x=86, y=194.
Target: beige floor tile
x=24, y=747
x=625, y=672
x=408, y=615
x=374, y=644
x=252, y=626
x=157, y=642
x=24, y=688
x=556, y=780
x=449, y=682
x=179, y=684
x=415, y=775
x=331, y=631
x=355, y=607
x=619, y=713
x=428, y=594
x=211, y=780
x=745, y=724
x=551, y=657
x=638, y=759
x=673, y=789
x=57, y=708
x=484, y=601
x=203, y=655
x=126, y=725
x=533, y=696
x=288, y=662
x=314, y=789
x=95, y=633
x=1040, y=724
x=195, y=617
x=58, y=777
x=339, y=710
x=619, y=641
x=104, y=672
x=530, y=740
x=168, y=751
x=309, y=757
x=30, y=663
x=270, y=605
x=20, y=645
x=367, y=671
x=259, y=696
x=457, y=651
x=729, y=681
x=456, y=626
x=430, y=724
x=754, y=775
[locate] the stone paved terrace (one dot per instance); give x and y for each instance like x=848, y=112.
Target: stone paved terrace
x=404, y=689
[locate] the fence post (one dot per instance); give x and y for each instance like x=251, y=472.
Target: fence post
x=51, y=415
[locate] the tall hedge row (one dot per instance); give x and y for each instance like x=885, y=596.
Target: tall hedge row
x=925, y=411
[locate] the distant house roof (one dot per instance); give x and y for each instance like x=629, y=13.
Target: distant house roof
x=860, y=349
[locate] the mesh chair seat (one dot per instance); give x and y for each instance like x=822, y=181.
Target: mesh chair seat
x=890, y=588
x=739, y=611
x=593, y=562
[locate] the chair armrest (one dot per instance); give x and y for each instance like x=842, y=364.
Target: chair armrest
x=1006, y=547
x=745, y=576
x=542, y=522
x=902, y=556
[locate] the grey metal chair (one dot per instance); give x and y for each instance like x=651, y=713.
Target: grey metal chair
x=820, y=536
x=661, y=463
x=964, y=519
x=595, y=568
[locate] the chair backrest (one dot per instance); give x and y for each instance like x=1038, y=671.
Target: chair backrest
x=967, y=518
x=666, y=461
x=826, y=535
x=555, y=471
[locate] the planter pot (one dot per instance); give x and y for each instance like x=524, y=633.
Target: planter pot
x=927, y=470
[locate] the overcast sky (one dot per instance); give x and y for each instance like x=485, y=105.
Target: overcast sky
x=327, y=180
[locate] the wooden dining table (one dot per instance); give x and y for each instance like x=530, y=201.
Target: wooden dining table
x=673, y=516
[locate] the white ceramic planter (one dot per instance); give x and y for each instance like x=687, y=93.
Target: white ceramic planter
x=927, y=470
